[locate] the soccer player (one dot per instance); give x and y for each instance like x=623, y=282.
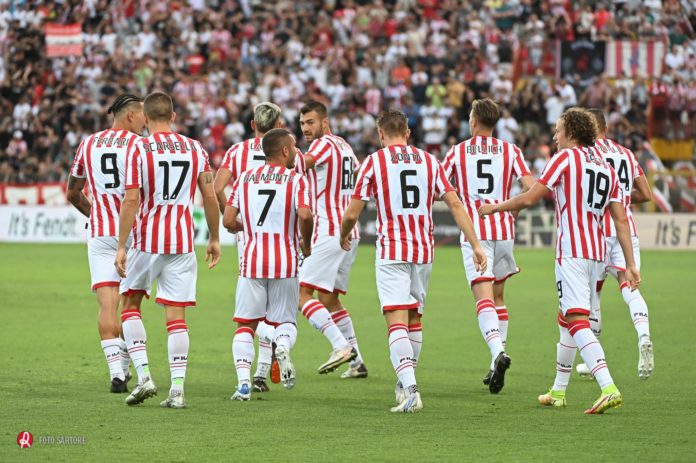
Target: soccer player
x=585, y=186
x=333, y=164
x=268, y=203
x=161, y=175
x=624, y=162
x=101, y=163
x=240, y=158
x=483, y=168
x=404, y=181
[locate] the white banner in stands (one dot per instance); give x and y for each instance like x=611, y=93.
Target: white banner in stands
x=41, y=224
x=64, y=224
x=666, y=231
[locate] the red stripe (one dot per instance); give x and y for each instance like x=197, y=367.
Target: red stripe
x=507, y=184
x=618, y=45
x=650, y=48
x=415, y=327
x=167, y=302
x=243, y=330
x=288, y=233
x=577, y=325
x=388, y=308
x=277, y=248
x=384, y=183
x=90, y=177
x=577, y=188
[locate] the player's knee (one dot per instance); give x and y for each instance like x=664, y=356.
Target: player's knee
x=577, y=322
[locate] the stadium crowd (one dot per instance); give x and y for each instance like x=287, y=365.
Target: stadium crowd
x=430, y=58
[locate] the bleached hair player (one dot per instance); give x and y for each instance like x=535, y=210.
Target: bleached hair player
x=269, y=204
x=162, y=172
x=100, y=162
x=241, y=157
x=585, y=186
x=636, y=190
x=404, y=181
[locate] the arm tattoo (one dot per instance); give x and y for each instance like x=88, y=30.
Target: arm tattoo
x=207, y=177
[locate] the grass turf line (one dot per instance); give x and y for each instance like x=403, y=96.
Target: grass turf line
x=54, y=381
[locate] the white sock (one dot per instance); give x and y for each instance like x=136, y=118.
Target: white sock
x=401, y=354
x=178, y=348
x=565, y=357
x=321, y=320
x=286, y=335
x=125, y=358
x=265, y=334
x=638, y=308
x=112, y=352
x=415, y=335
x=591, y=351
x=488, y=324
x=502, y=323
x=243, y=353
x=596, y=322
x=136, y=341
x=345, y=324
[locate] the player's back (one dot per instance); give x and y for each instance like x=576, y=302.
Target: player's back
x=332, y=180
x=165, y=166
x=243, y=156
x=101, y=158
x=483, y=169
x=404, y=181
x=627, y=169
x=267, y=198
x=584, y=184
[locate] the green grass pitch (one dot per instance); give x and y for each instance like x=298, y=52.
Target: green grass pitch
x=54, y=382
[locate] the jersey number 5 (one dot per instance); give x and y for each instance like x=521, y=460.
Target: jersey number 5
x=487, y=176
x=185, y=165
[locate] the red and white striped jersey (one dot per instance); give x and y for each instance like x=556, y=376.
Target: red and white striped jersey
x=101, y=158
x=333, y=180
x=404, y=181
x=165, y=167
x=627, y=169
x=248, y=155
x=482, y=169
x=584, y=184
x=268, y=198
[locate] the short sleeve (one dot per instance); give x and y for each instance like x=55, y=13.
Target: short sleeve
x=554, y=169
x=637, y=170
x=302, y=193
x=234, y=196
x=320, y=151
x=442, y=185
x=448, y=163
x=519, y=165
x=364, y=185
x=78, y=167
x=228, y=160
x=204, y=165
x=300, y=166
x=134, y=175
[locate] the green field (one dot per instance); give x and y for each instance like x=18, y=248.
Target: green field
x=54, y=381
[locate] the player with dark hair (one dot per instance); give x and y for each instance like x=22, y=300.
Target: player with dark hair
x=331, y=166
x=100, y=163
x=269, y=204
x=484, y=168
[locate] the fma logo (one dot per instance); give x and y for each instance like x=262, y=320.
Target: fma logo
x=25, y=439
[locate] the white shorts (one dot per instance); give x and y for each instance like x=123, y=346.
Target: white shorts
x=175, y=275
x=328, y=267
x=402, y=285
x=101, y=252
x=501, y=261
x=615, y=261
x=266, y=299
x=576, y=283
